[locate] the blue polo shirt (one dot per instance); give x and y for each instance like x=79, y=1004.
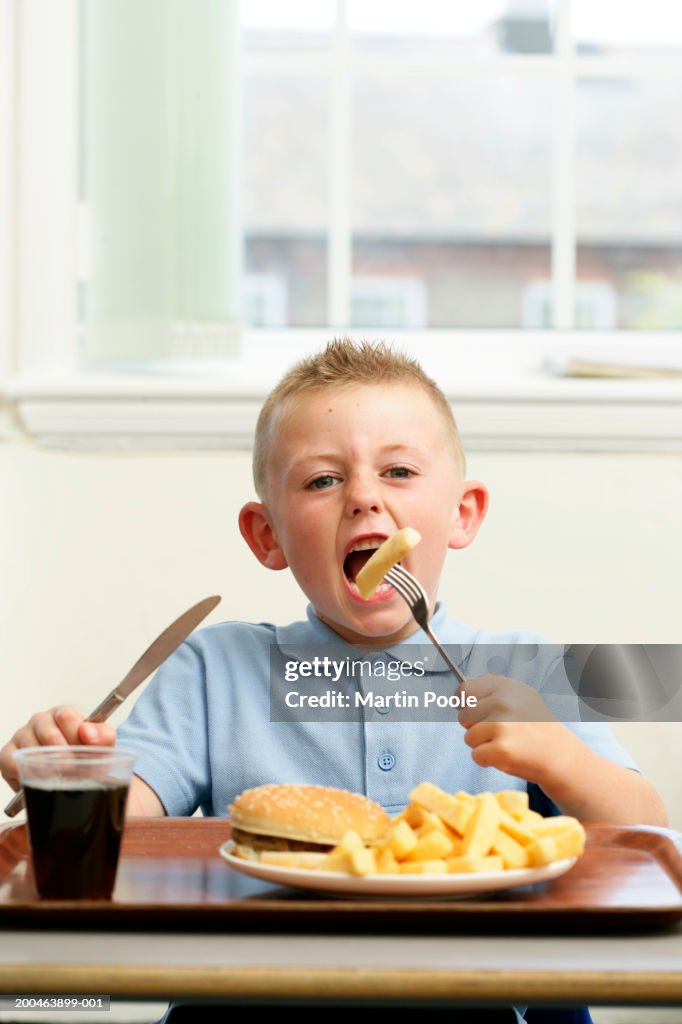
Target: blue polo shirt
x=203, y=729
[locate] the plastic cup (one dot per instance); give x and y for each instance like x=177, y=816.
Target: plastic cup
x=75, y=806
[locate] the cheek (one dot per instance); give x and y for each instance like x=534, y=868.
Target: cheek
x=306, y=529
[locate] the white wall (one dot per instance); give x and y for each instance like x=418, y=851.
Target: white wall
x=99, y=552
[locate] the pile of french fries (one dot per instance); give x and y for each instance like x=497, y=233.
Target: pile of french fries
x=439, y=833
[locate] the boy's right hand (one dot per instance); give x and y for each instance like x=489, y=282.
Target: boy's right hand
x=60, y=726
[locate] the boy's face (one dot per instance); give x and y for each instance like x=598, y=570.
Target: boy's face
x=349, y=467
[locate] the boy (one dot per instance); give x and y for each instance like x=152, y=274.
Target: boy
x=352, y=445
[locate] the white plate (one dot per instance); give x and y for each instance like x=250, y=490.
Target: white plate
x=395, y=885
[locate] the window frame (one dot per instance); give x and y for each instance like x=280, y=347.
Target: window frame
x=504, y=398
x=380, y=288
x=7, y=188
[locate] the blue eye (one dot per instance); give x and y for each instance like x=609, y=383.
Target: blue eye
x=400, y=472
x=321, y=483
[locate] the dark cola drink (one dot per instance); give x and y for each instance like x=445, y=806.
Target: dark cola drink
x=75, y=830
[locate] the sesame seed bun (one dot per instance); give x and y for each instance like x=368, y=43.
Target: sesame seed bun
x=293, y=816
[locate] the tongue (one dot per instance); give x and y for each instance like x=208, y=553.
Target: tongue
x=355, y=561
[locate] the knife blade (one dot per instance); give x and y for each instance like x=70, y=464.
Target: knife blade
x=153, y=657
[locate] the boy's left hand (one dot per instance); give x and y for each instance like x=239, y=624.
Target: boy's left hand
x=511, y=728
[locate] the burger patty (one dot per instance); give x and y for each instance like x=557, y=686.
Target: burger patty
x=260, y=842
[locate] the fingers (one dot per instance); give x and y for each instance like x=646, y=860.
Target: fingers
x=99, y=734
x=485, y=709
x=482, y=732
x=483, y=688
x=8, y=766
x=495, y=697
x=488, y=755
x=68, y=721
x=54, y=728
x=491, y=745
x=518, y=748
x=57, y=727
x=501, y=699
x=42, y=729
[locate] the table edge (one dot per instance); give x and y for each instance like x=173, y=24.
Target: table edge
x=257, y=983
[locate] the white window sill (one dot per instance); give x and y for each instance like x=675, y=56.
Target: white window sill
x=529, y=412
x=503, y=395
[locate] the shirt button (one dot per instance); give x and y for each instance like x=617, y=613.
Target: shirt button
x=382, y=711
x=386, y=761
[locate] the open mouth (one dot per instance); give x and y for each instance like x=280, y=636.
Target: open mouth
x=360, y=554
x=354, y=562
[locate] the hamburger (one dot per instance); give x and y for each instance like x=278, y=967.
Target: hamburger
x=290, y=816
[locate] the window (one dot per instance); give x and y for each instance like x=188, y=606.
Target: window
x=265, y=300
x=311, y=146
x=595, y=305
x=388, y=302
x=227, y=184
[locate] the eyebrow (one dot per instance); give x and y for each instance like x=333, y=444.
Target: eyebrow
x=388, y=449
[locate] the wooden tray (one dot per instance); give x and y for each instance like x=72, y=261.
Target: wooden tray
x=171, y=871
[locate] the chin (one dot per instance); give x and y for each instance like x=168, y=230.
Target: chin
x=378, y=626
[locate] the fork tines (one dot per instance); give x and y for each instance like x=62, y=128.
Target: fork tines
x=411, y=590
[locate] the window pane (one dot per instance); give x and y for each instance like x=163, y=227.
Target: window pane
x=285, y=201
x=444, y=27
x=294, y=26
x=156, y=172
x=629, y=204
x=614, y=26
x=451, y=187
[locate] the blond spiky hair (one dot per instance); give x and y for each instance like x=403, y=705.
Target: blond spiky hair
x=341, y=363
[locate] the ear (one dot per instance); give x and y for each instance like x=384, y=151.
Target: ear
x=469, y=514
x=257, y=531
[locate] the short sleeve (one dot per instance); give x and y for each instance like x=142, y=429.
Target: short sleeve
x=168, y=730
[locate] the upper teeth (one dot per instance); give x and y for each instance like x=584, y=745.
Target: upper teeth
x=365, y=545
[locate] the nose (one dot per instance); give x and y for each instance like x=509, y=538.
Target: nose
x=363, y=496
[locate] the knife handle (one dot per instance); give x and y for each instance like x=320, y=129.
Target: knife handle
x=106, y=707
x=15, y=805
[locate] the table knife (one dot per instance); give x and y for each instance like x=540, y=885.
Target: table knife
x=153, y=657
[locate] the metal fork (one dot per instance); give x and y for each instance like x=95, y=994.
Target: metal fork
x=414, y=594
